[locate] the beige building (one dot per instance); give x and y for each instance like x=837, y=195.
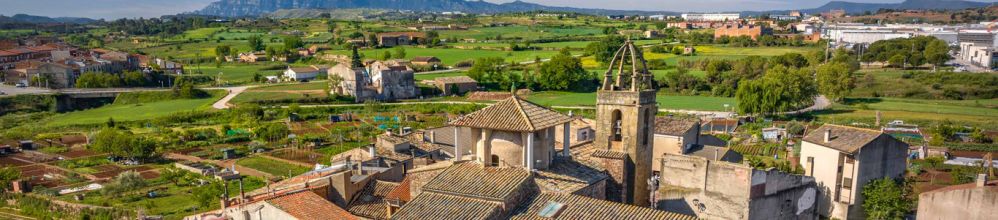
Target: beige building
x=302, y=205
x=581, y=131
x=972, y=201
x=378, y=81
x=674, y=136
x=844, y=159
x=713, y=189
x=455, y=85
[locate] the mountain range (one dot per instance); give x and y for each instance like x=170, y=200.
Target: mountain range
x=33, y=19
x=241, y=8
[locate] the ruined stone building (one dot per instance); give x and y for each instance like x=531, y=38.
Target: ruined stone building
x=713, y=189
x=844, y=159
x=377, y=81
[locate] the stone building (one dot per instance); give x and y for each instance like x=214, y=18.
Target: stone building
x=844, y=159
x=625, y=111
x=674, y=136
x=378, y=81
x=579, y=132
x=714, y=189
x=455, y=85
x=737, y=30
x=972, y=201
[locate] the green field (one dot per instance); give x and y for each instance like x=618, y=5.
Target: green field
x=984, y=108
x=237, y=72
x=273, y=167
x=519, y=31
x=452, y=56
x=553, y=45
x=133, y=112
x=421, y=77
x=705, y=103
x=293, y=87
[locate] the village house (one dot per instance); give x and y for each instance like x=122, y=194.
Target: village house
x=844, y=159
x=391, y=39
x=304, y=74
x=455, y=85
x=737, y=30
x=170, y=66
x=252, y=57
x=426, y=61
x=682, y=137
x=581, y=131
x=49, y=74
x=378, y=81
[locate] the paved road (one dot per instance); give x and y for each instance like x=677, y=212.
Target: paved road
x=233, y=92
x=820, y=103
x=12, y=91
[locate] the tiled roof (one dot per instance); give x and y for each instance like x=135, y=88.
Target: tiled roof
x=609, y=154
x=567, y=176
x=425, y=59
x=708, y=152
x=304, y=69
x=307, y=205
x=513, y=114
x=401, y=192
x=7, y=53
x=434, y=206
x=673, y=126
x=472, y=179
x=581, y=207
x=845, y=139
x=456, y=79
x=370, y=203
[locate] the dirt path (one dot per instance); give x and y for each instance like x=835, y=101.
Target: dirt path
x=233, y=92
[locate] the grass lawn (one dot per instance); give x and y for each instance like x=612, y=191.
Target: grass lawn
x=236, y=72
x=705, y=103
x=452, y=56
x=132, y=112
x=950, y=107
x=276, y=168
x=421, y=77
x=293, y=87
x=519, y=31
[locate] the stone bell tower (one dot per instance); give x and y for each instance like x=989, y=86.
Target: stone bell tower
x=625, y=111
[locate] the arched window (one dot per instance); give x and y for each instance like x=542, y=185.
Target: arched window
x=616, y=126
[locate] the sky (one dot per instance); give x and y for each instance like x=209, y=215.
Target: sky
x=113, y=9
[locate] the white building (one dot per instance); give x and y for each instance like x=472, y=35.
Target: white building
x=302, y=73
x=852, y=36
x=981, y=56
x=711, y=17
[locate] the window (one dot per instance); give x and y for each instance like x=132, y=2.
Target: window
x=495, y=160
x=616, y=131
x=551, y=209
x=847, y=183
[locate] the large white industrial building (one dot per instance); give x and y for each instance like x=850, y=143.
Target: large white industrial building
x=711, y=17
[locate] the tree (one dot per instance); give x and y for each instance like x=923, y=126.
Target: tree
x=293, y=42
x=897, y=60
x=563, y=72
x=221, y=51
x=779, y=90
x=255, y=43
x=604, y=49
x=937, y=53
x=7, y=175
x=355, y=60
x=835, y=80
x=172, y=174
x=886, y=199
x=387, y=55
x=400, y=53
x=372, y=40
x=126, y=181
x=488, y=70
x=135, y=79
x=208, y=194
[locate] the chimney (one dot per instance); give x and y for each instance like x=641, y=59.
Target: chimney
x=570, y=113
x=716, y=150
x=374, y=153
x=433, y=137
x=982, y=179
x=828, y=135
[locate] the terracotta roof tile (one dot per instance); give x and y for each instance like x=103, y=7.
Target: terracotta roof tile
x=844, y=138
x=370, y=203
x=401, y=192
x=513, y=114
x=673, y=126
x=435, y=206
x=581, y=207
x=567, y=176
x=307, y=205
x=472, y=179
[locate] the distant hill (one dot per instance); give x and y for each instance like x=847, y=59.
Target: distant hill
x=33, y=19
x=240, y=8
x=853, y=7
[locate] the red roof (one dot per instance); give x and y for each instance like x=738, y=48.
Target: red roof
x=401, y=192
x=7, y=53
x=307, y=205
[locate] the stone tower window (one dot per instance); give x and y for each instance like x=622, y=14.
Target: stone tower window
x=617, y=136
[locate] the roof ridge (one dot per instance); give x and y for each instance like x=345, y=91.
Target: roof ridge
x=857, y=128
x=523, y=113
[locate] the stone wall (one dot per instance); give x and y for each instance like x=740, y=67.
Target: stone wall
x=968, y=203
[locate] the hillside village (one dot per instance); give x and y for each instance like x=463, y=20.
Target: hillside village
x=408, y=114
